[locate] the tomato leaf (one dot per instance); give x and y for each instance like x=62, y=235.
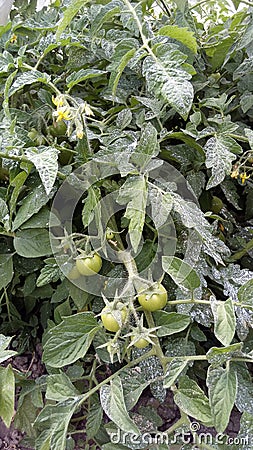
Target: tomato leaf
x=222, y=389
x=224, y=320
x=113, y=403
x=192, y=400
x=170, y=322
x=173, y=370
x=80, y=329
x=181, y=272
x=7, y=394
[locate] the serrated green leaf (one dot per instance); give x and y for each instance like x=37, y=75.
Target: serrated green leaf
x=93, y=197
x=217, y=356
x=26, y=415
x=106, y=13
x=46, y=162
x=224, y=320
x=32, y=243
x=134, y=384
x=192, y=400
x=60, y=388
x=28, y=78
x=69, y=13
x=167, y=80
x=4, y=343
x=113, y=403
x=54, y=420
x=170, y=322
x=18, y=183
x=61, y=311
x=79, y=297
x=41, y=220
x=222, y=389
x=6, y=270
x=70, y=340
x=31, y=204
x=181, y=273
x=249, y=134
x=82, y=75
x=161, y=205
x=4, y=215
x=180, y=34
x=124, y=118
x=147, y=147
x=134, y=193
x=118, y=69
x=219, y=157
x=49, y=273
x=7, y=394
x=151, y=369
x=94, y=420
x=173, y=371
x=245, y=293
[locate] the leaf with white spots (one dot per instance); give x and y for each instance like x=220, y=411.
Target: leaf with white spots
x=46, y=163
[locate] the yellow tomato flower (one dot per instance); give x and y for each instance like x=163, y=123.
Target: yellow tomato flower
x=58, y=100
x=62, y=113
x=244, y=177
x=13, y=39
x=234, y=173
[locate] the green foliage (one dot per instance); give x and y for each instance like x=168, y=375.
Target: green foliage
x=134, y=118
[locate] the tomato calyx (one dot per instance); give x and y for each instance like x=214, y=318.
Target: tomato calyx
x=140, y=336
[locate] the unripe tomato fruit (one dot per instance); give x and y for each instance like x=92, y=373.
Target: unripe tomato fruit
x=109, y=322
x=89, y=265
x=109, y=235
x=153, y=302
x=58, y=129
x=141, y=343
x=217, y=205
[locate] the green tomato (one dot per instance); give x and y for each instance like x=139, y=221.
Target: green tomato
x=153, y=302
x=217, y=205
x=109, y=322
x=58, y=129
x=141, y=343
x=89, y=265
x=109, y=235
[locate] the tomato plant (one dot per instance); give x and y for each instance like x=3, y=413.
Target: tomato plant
x=126, y=150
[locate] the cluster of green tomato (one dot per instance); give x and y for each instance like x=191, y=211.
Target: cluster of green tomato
x=153, y=299
x=149, y=302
